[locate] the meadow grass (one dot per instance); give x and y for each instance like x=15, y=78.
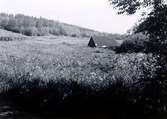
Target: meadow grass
x=62, y=74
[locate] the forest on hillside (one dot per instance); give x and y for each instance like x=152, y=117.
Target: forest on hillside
x=32, y=26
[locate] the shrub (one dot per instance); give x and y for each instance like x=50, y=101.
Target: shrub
x=74, y=35
x=6, y=38
x=134, y=43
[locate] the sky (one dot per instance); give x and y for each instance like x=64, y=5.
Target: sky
x=94, y=14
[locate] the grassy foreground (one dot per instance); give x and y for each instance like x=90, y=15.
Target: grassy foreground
x=61, y=74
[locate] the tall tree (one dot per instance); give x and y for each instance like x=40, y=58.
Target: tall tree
x=131, y=6
x=154, y=25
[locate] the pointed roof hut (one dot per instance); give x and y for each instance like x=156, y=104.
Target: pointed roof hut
x=102, y=42
x=91, y=43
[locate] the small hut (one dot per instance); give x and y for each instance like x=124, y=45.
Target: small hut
x=102, y=42
x=91, y=43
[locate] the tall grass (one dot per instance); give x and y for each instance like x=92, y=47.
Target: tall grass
x=114, y=83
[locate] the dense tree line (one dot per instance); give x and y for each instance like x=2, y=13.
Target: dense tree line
x=32, y=26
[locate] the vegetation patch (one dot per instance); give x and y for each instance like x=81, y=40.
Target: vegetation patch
x=68, y=84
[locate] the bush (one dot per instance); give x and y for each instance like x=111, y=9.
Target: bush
x=134, y=43
x=74, y=35
x=6, y=38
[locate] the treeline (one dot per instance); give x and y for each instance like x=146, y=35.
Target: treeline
x=32, y=26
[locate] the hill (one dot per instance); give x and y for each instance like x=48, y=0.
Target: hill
x=32, y=26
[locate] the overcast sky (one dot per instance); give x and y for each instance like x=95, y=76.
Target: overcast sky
x=95, y=14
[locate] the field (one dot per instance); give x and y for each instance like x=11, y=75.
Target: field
x=65, y=57
x=44, y=56
x=63, y=74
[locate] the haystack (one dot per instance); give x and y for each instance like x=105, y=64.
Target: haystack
x=91, y=43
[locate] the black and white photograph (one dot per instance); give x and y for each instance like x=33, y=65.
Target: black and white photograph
x=83, y=59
